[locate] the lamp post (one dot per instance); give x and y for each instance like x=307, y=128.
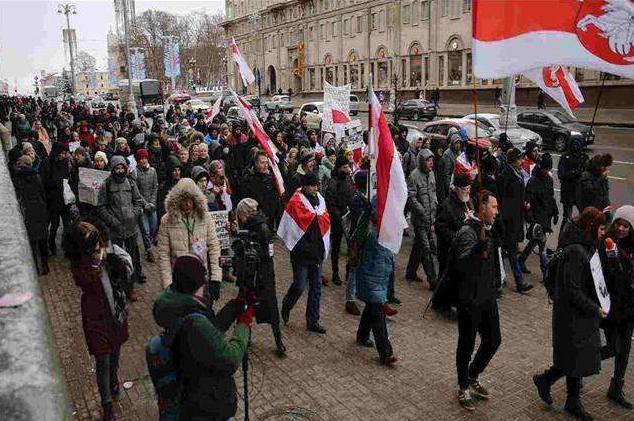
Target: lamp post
x=68, y=9
x=395, y=84
x=126, y=33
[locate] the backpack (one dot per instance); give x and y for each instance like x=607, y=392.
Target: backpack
x=552, y=272
x=164, y=369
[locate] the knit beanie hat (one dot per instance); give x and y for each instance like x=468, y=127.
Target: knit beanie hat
x=546, y=161
x=101, y=155
x=188, y=273
x=626, y=213
x=341, y=161
x=141, y=153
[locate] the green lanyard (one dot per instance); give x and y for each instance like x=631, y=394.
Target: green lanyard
x=188, y=227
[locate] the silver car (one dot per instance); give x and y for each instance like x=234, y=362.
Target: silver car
x=517, y=135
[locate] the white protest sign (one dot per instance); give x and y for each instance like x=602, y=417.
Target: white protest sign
x=73, y=145
x=221, y=221
x=337, y=97
x=90, y=182
x=355, y=135
x=131, y=164
x=599, y=282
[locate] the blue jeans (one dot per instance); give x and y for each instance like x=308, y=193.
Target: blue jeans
x=149, y=227
x=311, y=275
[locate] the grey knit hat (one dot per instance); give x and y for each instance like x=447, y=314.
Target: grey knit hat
x=626, y=213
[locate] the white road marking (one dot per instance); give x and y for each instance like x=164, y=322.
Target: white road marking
x=615, y=162
x=609, y=176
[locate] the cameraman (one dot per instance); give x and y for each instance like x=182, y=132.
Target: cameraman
x=207, y=359
x=251, y=219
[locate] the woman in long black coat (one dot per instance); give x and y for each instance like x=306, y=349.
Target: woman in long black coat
x=267, y=310
x=576, y=313
x=618, y=269
x=32, y=199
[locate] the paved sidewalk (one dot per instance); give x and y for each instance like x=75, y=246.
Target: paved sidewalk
x=329, y=377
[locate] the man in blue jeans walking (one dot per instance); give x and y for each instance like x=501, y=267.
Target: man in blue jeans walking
x=305, y=229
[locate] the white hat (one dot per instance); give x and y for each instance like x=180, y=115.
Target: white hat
x=101, y=155
x=626, y=213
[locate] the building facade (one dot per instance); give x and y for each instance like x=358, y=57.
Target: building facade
x=413, y=44
x=91, y=84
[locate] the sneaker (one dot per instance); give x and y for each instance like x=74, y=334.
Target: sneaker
x=317, y=328
x=524, y=287
x=351, y=308
x=466, y=400
x=543, y=388
x=477, y=390
x=281, y=352
x=388, y=311
x=390, y=361
x=394, y=301
x=368, y=343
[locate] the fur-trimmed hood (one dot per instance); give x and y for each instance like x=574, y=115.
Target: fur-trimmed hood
x=186, y=187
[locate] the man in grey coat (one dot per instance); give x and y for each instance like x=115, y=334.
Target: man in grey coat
x=421, y=192
x=147, y=182
x=446, y=164
x=120, y=206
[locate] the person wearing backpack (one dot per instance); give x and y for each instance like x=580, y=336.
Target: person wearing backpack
x=101, y=272
x=119, y=206
x=576, y=313
x=618, y=268
x=205, y=358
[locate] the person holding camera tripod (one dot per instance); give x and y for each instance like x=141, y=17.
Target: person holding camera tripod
x=255, y=223
x=207, y=360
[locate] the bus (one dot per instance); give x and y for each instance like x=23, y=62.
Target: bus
x=147, y=94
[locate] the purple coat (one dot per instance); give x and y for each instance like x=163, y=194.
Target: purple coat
x=103, y=336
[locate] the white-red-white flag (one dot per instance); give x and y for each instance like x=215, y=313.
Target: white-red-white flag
x=215, y=109
x=391, y=188
x=263, y=139
x=245, y=71
x=559, y=84
x=510, y=37
x=298, y=216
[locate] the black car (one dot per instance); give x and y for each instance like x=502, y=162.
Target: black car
x=556, y=128
x=416, y=109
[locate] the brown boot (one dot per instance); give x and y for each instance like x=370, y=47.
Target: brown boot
x=351, y=308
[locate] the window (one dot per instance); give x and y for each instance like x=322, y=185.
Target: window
x=359, y=24
x=312, y=33
x=346, y=26
x=469, y=68
x=406, y=14
x=374, y=22
x=424, y=10
x=335, y=29
x=444, y=7
x=441, y=70
x=322, y=29
x=466, y=6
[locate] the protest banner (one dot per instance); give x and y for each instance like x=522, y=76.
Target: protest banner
x=221, y=222
x=90, y=182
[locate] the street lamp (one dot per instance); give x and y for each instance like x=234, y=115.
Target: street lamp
x=68, y=9
x=126, y=32
x=395, y=84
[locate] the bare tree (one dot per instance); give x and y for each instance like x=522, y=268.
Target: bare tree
x=85, y=62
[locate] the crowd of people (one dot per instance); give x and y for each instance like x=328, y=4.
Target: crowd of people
x=469, y=209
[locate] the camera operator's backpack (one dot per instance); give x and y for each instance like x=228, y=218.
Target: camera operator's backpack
x=165, y=371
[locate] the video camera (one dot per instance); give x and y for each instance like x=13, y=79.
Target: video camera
x=245, y=260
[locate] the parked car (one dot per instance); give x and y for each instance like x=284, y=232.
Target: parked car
x=234, y=114
x=279, y=104
x=440, y=128
x=229, y=101
x=556, y=128
x=196, y=104
x=177, y=99
x=416, y=109
x=354, y=105
x=517, y=135
x=414, y=132
x=313, y=113
x=150, y=110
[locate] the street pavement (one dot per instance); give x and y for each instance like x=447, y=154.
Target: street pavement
x=329, y=377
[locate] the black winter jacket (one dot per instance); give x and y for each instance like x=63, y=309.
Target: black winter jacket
x=540, y=194
x=593, y=190
x=619, y=278
x=511, y=198
x=569, y=171
x=338, y=197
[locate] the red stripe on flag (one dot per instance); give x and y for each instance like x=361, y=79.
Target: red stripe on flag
x=494, y=20
x=300, y=214
x=339, y=117
x=385, y=155
x=572, y=100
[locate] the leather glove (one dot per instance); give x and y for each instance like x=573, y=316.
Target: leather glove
x=246, y=318
x=214, y=290
x=555, y=219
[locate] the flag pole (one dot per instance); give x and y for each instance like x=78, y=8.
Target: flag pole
x=480, y=192
x=596, y=106
x=370, y=136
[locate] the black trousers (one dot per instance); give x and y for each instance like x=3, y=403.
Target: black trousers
x=619, y=343
x=106, y=368
x=53, y=222
x=373, y=319
x=39, y=249
x=472, y=320
x=335, y=245
x=131, y=245
x=573, y=384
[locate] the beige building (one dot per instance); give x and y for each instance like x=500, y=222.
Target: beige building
x=84, y=84
x=299, y=43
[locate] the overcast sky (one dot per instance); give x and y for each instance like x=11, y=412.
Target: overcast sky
x=31, y=33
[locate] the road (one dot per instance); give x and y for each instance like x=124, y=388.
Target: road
x=614, y=140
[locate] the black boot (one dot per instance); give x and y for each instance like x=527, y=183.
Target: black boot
x=615, y=393
x=45, y=268
x=52, y=246
x=574, y=406
x=108, y=413
x=335, y=278
x=543, y=388
x=289, y=302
